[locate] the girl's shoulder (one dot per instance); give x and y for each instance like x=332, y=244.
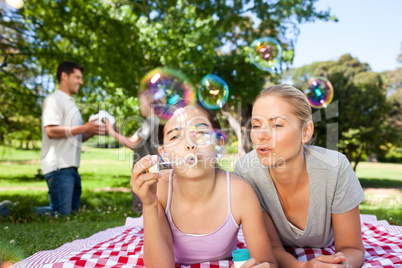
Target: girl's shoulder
x=238, y=184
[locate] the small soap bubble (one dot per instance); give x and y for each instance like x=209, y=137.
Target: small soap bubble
x=319, y=92
x=163, y=87
x=213, y=92
x=266, y=54
x=219, y=135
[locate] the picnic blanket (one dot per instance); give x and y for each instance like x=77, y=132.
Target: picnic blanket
x=123, y=247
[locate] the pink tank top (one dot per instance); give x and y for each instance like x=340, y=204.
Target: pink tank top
x=195, y=248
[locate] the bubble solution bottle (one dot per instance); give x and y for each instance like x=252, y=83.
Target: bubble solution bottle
x=240, y=256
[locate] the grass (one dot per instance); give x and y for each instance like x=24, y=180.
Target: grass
x=23, y=233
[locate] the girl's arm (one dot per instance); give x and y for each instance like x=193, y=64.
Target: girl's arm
x=347, y=236
x=246, y=205
x=129, y=142
x=158, y=246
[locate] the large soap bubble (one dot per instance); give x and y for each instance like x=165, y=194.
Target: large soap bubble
x=164, y=87
x=266, y=54
x=319, y=92
x=213, y=92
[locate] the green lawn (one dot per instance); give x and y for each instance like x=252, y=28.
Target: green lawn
x=104, y=170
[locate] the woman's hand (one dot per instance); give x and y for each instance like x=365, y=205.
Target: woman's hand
x=144, y=184
x=337, y=260
x=252, y=263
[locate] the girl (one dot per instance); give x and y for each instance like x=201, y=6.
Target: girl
x=311, y=194
x=192, y=213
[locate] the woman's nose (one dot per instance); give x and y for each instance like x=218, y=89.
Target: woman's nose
x=264, y=134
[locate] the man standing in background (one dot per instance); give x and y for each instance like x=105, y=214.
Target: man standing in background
x=62, y=136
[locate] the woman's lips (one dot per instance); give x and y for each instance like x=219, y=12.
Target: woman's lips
x=264, y=150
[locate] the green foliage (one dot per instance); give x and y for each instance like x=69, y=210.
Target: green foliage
x=359, y=108
x=393, y=155
x=119, y=41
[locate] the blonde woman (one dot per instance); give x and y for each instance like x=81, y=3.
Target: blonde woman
x=310, y=194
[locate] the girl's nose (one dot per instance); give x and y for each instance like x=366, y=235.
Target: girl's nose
x=190, y=147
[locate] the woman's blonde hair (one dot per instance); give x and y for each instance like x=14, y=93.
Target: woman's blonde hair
x=297, y=100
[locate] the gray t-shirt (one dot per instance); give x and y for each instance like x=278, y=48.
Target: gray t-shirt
x=334, y=189
x=148, y=132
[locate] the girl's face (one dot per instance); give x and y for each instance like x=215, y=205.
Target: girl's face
x=276, y=132
x=189, y=139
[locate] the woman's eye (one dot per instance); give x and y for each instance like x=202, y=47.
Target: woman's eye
x=256, y=127
x=277, y=125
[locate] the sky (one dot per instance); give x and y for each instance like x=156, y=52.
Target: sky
x=370, y=30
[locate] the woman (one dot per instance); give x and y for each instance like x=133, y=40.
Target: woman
x=310, y=194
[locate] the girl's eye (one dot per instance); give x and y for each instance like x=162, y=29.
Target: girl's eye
x=174, y=137
x=201, y=132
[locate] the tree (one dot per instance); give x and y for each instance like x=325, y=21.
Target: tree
x=394, y=91
x=361, y=107
x=119, y=41
x=19, y=91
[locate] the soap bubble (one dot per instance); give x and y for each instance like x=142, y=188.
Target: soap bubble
x=266, y=54
x=163, y=87
x=213, y=92
x=319, y=92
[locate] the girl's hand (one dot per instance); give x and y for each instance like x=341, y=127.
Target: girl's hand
x=144, y=184
x=253, y=263
x=109, y=127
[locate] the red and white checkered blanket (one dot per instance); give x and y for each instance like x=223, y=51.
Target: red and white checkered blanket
x=123, y=247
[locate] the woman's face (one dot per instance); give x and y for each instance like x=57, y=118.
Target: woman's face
x=276, y=132
x=189, y=132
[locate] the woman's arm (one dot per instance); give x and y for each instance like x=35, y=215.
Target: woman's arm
x=347, y=236
x=286, y=259
x=158, y=246
x=283, y=258
x=246, y=205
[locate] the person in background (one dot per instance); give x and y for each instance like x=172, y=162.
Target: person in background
x=309, y=195
x=143, y=142
x=62, y=136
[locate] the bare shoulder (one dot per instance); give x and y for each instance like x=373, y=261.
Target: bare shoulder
x=240, y=189
x=244, y=199
x=239, y=183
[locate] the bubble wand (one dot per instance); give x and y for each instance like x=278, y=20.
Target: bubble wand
x=187, y=158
